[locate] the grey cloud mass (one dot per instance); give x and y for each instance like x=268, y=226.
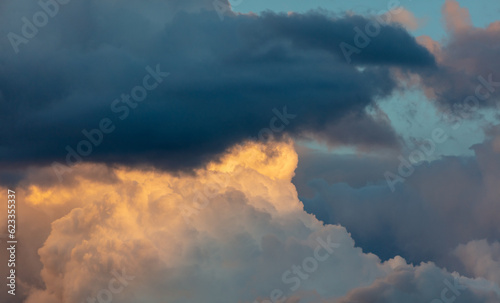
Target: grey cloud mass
x=443, y=204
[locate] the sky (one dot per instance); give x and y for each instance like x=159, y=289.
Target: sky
x=250, y=151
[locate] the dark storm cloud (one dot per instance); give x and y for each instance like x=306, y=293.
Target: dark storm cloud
x=226, y=77
x=390, y=45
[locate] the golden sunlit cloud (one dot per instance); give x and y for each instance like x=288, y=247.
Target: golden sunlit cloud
x=244, y=225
